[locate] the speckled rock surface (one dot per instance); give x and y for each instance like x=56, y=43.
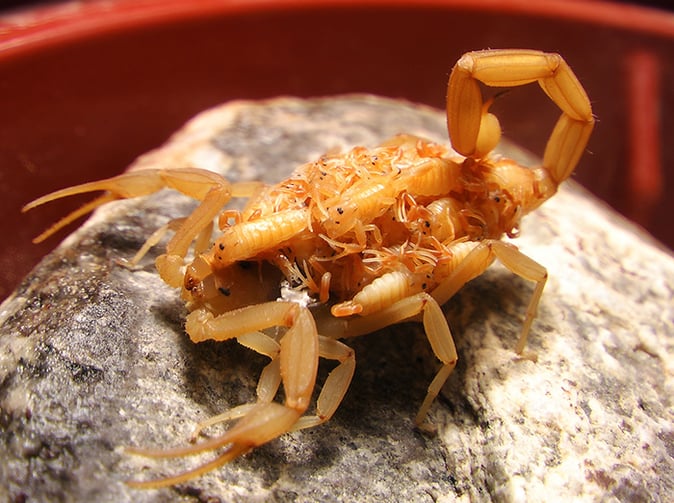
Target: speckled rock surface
x=93, y=356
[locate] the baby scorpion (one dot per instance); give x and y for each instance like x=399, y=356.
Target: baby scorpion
x=376, y=237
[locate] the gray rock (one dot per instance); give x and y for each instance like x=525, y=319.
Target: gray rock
x=93, y=356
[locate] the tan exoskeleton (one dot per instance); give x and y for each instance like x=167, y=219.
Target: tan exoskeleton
x=372, y=237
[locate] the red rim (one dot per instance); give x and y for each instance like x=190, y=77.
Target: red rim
x=29, y=29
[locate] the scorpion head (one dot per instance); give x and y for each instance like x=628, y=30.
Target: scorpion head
x=225, y=288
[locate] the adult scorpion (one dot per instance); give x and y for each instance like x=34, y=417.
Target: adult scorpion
x=373, y=237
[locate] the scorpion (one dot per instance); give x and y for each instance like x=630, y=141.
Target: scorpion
x=370, y=238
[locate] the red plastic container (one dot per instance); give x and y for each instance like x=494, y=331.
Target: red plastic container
x=85, y=87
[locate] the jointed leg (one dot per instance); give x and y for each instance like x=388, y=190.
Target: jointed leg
x=201, y=243
x=435, y=326
x=335, y=386
x=440, y=338
x=479, y=259
x=297, y=356
x=332, y=393
x=267, y=385
x=527, y=268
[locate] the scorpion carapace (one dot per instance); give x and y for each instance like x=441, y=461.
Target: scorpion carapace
x=362, y=240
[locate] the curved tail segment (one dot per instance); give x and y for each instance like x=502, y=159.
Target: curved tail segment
x=474, y=132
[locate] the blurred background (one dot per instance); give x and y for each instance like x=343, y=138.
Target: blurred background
x=87, y=86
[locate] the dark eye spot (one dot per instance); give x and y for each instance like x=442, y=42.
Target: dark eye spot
x=340, y=211
x=221, y=246
x=225, y=291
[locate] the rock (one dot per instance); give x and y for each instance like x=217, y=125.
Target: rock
x=93, y=356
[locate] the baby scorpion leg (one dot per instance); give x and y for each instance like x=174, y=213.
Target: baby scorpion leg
x=479, y=259
x=264, y=420
x=474, y=132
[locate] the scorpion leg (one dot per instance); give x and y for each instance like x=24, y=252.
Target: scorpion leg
x=267, y=386
x=332, y=393
x=474, y=132
x=479, y=259
x=435, y=326
x=336, y=384
x=201, y=243
x=442, y=343
x=474, y=264
x=264, y=420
